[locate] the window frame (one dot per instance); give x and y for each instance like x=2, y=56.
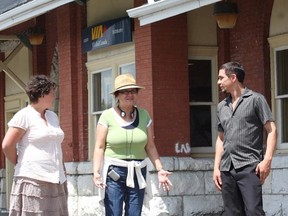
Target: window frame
x=207, y=53
x=277, y=43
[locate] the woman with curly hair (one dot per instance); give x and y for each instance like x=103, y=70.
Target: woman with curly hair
x=33, y=144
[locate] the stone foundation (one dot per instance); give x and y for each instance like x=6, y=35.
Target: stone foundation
x=193, y=192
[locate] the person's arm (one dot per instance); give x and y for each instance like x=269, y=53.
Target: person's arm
x=218, y=154
x=12, y=137
x=263, y=168
x=155, y=159
x=98, y=157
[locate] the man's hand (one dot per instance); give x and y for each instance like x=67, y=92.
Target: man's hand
x=263, y=170
x=217, y=179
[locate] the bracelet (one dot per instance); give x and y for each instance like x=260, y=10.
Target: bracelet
x=160, y=169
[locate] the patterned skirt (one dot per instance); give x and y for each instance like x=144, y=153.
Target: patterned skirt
x=30, y=197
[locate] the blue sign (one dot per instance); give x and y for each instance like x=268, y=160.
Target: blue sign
x=106, y=34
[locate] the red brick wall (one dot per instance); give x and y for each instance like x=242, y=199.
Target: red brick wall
x=247, y=43
x=40, y=56
x=162, y=67
x=71, y=19
x=63, y=26
x=161, y=61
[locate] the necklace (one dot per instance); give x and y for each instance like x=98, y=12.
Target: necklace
x=129, y=142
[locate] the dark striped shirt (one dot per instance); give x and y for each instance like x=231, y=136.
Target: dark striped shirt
x=243, y=129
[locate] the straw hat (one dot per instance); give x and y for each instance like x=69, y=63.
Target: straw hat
x=125, y=81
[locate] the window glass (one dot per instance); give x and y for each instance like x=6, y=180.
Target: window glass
x=200, y=124
x=200, y=80
x=282, y=72
x=101, y=88
x=200, y=95
x=282, y=93
x=127, y=69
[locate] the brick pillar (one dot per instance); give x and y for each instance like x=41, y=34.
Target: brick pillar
x=223, y=37
x=39, y=52
x=71, y=19
x=162, y=67
x=247, y=43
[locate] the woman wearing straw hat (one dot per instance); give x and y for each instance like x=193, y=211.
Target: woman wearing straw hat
x=124, y=140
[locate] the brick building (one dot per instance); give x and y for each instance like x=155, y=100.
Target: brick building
x=175, y=51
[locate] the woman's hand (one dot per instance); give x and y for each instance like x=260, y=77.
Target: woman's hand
x=12, y=137
x=98, y=181
x=163, y=179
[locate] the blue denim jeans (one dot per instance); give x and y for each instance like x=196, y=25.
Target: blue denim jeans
x=117, y=194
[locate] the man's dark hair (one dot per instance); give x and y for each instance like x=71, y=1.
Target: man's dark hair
x=38, y=86
x=234, y=68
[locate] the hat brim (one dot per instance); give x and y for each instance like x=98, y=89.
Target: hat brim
x=127, y=87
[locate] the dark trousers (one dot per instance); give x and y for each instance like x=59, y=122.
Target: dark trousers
x=242, y=192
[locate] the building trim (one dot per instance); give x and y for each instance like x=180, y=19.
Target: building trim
x=163, y=9
x=28, y=11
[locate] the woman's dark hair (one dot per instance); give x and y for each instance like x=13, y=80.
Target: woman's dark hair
x=234, y=68
x=38, y=86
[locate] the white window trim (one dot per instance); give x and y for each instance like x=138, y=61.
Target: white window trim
x=277, y=43
x=208, y=53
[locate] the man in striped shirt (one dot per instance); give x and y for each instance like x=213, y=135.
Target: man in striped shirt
x=242, y=160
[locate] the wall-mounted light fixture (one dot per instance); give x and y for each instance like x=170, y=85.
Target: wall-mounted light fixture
x=35, y=35
x=226, y=14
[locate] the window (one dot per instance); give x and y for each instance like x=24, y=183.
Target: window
x=101, y=88
x=202, y=98
x=103, y=67
x=101, y=99
x=279, y=87
x=281, y=96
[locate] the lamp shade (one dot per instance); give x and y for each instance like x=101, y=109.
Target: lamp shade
x=35, y=35
x=36, y=38
x=226, y=14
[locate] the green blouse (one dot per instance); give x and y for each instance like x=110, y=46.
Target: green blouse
x=125, y=142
